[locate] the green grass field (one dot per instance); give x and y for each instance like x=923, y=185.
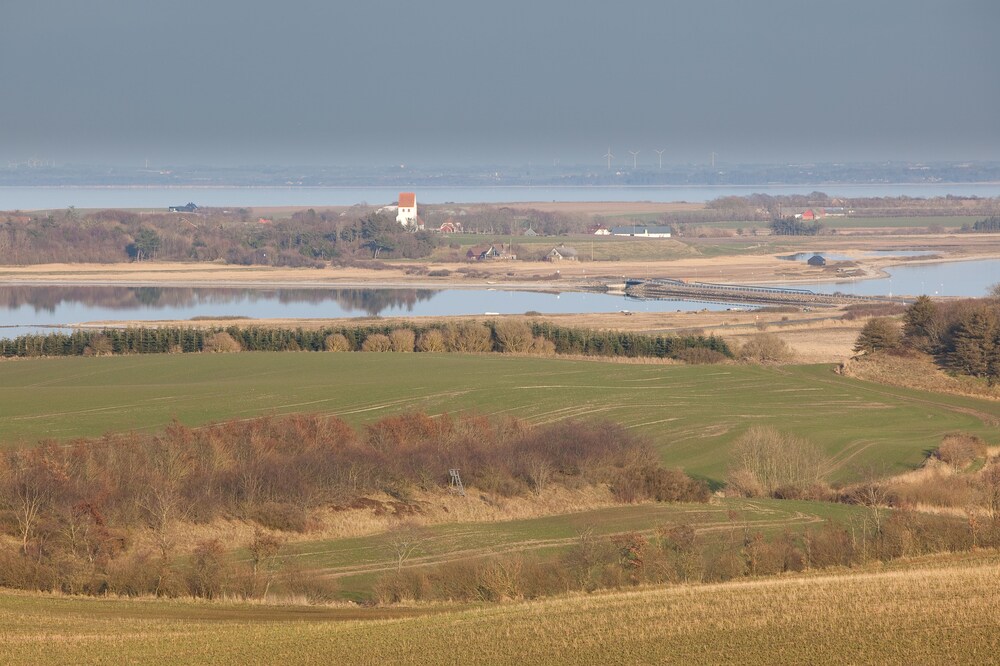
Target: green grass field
x=358, y=561
x=929, y=611
x=692, y=413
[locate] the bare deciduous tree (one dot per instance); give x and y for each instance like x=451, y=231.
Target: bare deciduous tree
x=766, y=460
x=514, y=337
x=265, y=558
x=405, y=541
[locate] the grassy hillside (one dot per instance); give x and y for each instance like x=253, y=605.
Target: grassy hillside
x=939, y=610
x=692, y=413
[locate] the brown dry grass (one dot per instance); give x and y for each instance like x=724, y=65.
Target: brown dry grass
x=918, y=372
x=435, y=508
x=932, y=610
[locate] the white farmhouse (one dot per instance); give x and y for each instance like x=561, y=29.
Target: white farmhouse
x=406, y=214
x=642, y=232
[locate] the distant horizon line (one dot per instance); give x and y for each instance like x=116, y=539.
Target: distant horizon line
x=699, y=186
x=42, y=163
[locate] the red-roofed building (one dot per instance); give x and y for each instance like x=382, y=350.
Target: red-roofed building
x=406, y=213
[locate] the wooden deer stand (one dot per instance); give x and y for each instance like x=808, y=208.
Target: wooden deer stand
x=455, y=484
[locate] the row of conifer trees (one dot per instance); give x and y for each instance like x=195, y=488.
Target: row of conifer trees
x=493, y=336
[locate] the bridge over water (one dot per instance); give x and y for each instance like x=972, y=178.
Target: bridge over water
x=665, y=288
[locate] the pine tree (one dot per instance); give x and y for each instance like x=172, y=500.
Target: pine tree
x=920, y=324
x=974, y=343
x=879, y=334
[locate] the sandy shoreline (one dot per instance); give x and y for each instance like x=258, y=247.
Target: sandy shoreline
x=526, y=276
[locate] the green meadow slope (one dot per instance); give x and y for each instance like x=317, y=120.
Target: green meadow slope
x=692, y=413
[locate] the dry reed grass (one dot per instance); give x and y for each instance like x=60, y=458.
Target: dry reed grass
x=435, y=508
x=917, y=373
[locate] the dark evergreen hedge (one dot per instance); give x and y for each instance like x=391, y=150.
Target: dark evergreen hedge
x=259, y=338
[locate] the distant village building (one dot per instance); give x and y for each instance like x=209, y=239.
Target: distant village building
x=642, y=232
x=812, y=214
x=601, y=230
x=489, y=253
x=186, y=208
x=450, y=226
x=406, y=213
x=530, y=232
x=817, y=260
x=562, y=253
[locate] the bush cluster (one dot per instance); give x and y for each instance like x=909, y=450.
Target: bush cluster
x=770, y=463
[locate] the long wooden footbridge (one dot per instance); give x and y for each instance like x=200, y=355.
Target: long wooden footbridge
x=666, y=288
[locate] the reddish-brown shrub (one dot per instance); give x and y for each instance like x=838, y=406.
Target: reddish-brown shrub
x=961, y=449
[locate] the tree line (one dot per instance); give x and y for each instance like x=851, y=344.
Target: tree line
x=963, y=336
x=101, y=516
x=990, y=225
x=237, y=237
x=502, y=335
x=678, y=553
x=792, y=226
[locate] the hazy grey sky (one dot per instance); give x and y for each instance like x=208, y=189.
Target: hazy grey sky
x=512, y=81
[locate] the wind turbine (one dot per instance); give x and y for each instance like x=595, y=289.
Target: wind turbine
x=609, y=157
x=635, y=155
x=660, y=155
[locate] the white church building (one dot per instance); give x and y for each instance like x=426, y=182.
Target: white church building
x=406, y=213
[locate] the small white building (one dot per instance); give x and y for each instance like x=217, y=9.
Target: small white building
x=406, y=213
x=642, y=232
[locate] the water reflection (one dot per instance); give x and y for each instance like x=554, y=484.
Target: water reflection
x=32, y=309
x=51, y=300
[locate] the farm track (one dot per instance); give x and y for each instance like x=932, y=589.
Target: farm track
x=900, y=393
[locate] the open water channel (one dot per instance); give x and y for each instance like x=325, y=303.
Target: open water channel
x=32, y=309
